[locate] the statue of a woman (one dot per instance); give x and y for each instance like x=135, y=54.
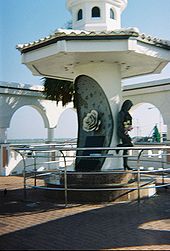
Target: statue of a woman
x=123, y=128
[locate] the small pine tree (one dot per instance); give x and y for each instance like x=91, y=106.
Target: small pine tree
x=156, y=135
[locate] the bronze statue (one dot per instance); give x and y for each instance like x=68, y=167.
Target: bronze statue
x=124, y=126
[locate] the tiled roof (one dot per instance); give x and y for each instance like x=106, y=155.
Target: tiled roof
x=68, y=34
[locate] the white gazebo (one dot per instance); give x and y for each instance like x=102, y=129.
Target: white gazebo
x=96, y=54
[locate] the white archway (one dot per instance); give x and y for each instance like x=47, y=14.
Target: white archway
x=145, y=117
x=67, y=126
x=27, y=123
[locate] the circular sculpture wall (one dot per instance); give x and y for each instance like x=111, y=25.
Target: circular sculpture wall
x=95, y=122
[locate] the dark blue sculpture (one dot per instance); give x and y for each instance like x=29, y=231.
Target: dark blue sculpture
x=123, y=128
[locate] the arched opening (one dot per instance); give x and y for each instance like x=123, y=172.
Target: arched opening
x=96, y=12
x=112, y=14
x=80, y=15
x=27, y=125
x=67, y=127
x=145, y=117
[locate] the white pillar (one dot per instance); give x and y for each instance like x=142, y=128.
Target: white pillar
x=50, y=134
x=168, y=143
x=108, y=76
x=3, y=135
x=168, y=133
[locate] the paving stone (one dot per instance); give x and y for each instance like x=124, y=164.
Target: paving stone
x=41, y=224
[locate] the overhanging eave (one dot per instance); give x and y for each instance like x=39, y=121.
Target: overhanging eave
x=59, y=59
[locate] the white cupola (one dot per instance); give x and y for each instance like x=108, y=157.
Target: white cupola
x=96, y=15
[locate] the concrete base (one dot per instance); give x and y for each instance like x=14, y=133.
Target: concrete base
x=115, y=187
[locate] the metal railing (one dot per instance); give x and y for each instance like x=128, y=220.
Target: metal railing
x=51, y=153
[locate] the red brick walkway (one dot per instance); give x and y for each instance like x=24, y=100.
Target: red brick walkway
x=41, y=224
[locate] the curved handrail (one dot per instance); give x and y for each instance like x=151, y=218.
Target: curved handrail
x=23, y=151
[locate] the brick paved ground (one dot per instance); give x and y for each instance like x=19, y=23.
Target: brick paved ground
x=41, y=224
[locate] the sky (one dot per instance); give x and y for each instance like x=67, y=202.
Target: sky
x=23, y=21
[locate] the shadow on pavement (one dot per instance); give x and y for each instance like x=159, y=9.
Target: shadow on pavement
x=109, y=227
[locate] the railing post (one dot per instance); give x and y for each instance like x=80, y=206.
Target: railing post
x=25, y=185
x=65, y=180
x=24, y=173
x=35, y=170
x=162, y=162
x=138, y=174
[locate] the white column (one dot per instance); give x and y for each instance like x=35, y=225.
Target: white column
x=108, y=77
x=50, y=134
x=168, y=142
x=3, y=135
x=168, y=133
x=4, y=151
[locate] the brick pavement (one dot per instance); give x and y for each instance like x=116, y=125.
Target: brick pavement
x=41, y=224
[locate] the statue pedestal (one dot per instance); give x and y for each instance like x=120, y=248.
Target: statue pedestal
x=98, y=187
